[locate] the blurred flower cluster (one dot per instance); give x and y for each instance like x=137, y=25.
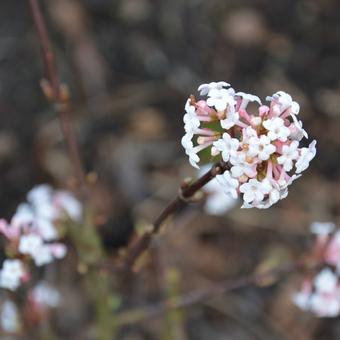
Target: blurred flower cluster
x=262, y=149
x=41, y=299
x=33, y=233
x=320, y=294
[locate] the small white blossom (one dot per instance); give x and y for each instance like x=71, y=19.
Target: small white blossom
x=24, y=215
x=254, y=190
x=67, y=202
x=297, y=130
x=11, y=273
x=289, y=154
x=42, y=256
x=276, y=129
x=227, y=145
x=261, y=147
x=283, y=101
x=231, y=119
x=190, y=149
x=306, y=155
x=190, y=119
x=242, y=167
x=29, y=244
x=228, y=183
x=220, y=98
x=326, y=281
x=205, y=88
x=246, y=98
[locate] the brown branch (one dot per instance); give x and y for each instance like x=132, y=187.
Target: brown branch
x=181, y=200
x=58, y=94
x=199, y=296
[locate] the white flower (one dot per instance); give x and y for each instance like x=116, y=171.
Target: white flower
x=248, y=133
x=322, y=228
x=29, y=244
x=241, y=166
x=306, y=155
x=9, y=317
x=67, y=202
x=326, y=281
x=44, y=294
x=302, y=300
x=246, y=98
x=297, y=132
x=190, y=150
x=46, y=229
x=289, y=154
x=276, y=129
x=40, y=194
x=221, y=98
x=254, y=190
x=228, y=183
x=283, y=101
x=190, y=119
x=11, y=273
x=42, y=256
x=325, y=305
x=231, y=119
x=24, y=215
x=261, y=147
x=205, y=88
x=227, y=145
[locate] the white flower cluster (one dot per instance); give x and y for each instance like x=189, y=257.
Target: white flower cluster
x=263, y=149
x=321, y=294
x=32, y=232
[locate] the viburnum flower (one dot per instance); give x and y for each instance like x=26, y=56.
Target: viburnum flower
x=260, y=147
x=11, y=274
x=33, y=232
x=321, y=294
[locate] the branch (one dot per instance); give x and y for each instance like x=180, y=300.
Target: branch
x=180, y=201
x=141, y=314
x=57, y=93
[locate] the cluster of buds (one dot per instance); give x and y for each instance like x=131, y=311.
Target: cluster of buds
x=262, y=149
x=320, y=293
x=33, y=232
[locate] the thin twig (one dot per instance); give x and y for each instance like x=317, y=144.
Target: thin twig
x=181, y=200
x=58, y=93
x=198, y=296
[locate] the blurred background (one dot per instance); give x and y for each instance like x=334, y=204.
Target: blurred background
x=131, y=65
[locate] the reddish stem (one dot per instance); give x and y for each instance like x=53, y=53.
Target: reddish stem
x=60, y=98
x=180, y=201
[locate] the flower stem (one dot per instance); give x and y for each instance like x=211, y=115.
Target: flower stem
x=58, y=94
x=187, y=191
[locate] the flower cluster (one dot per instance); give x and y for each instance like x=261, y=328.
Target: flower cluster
x=262, y=149
x=321, y=294
x=33, y=233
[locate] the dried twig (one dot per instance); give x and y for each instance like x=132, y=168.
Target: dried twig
x=198, y=296
x=57, y=93
x=181, y=200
